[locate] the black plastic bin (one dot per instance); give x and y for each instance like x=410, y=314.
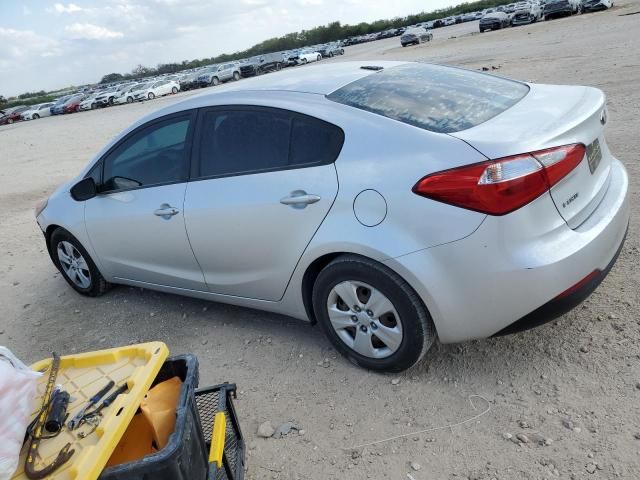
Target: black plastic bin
x=185, y=456
x=219, y=398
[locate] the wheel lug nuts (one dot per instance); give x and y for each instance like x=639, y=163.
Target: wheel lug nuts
x=363, y=328
x=357, y=308
x=370, y=313
x=354, y=318
x=373, y=326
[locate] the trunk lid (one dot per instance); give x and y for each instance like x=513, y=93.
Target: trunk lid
x=551, y=116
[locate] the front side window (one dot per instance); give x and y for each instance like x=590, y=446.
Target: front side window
x=153, y=155
x=234, y=142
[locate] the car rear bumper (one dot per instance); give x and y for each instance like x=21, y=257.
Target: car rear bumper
x=509, y=275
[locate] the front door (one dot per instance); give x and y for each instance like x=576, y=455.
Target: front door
x=264, y=182
x=136, y=223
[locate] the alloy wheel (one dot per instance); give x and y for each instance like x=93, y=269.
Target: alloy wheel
x=364, y=319
x=74, y=264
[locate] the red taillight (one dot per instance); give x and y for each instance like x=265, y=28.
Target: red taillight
x=498, y=187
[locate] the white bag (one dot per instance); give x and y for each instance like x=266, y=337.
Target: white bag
x=18, y=390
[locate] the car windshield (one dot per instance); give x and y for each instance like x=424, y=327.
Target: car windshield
x=139, y=87
x=432, y=97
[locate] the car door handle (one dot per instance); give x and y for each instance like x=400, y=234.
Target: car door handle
x=166, y=211
x=299, y=199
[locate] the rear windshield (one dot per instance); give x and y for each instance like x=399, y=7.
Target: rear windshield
x=433, y=97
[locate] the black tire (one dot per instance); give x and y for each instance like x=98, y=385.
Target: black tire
x=9, y=121
x=404, y=44
x=36, y=116
x=215, y=81
x=174, y=90
x=418, y=329
x=342, y=51
x=129, y=100
x=110, y=100
x=319, y=58
x=236, y=76
x=151, y=96
x=98, y=284
x=304, y=61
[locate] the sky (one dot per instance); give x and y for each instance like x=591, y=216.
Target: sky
x=45, y=45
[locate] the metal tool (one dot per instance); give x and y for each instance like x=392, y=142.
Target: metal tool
x=65, y=454
x=57, y=413
x=77, y=419
x=107, y=401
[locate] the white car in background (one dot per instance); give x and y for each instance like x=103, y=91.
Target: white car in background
x=88, y=103
x=37, y=111
x=308, y=56
x=157, y=89
x=126, y=95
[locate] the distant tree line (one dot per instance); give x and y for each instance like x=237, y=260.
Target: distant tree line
x=323, y=34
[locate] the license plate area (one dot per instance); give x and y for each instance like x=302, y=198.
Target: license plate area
x=594, y=155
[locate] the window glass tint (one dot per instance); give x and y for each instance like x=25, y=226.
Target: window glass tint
x=432, y=97
x=314, y=141
x=243, y=141
x=151, y=156
x=246, y=141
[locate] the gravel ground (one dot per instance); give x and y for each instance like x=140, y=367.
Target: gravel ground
x=564, y=399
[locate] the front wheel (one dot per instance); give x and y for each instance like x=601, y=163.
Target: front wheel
x=36, y=116
x=151, y=96
x=304, y=61
x=9, y=121
x=236, y=76
x=319, y=58
x=129, y=100
x=371, y=315
x=215, y=81
x=76, y=265
x=174, y=90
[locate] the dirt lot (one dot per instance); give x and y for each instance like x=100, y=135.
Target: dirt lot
x=574, y=382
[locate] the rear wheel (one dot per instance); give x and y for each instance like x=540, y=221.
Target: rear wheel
x=371, y=315
x=75, y=264
x=174, y=90
x=9, y=121
x=129, y=100
x=319, y=58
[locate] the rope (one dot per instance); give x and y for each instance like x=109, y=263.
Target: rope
x=432, y=429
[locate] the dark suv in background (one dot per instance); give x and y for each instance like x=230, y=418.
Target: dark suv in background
x=260, y=64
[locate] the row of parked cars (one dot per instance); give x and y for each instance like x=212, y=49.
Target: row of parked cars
x=531, y=11
x=513, y=14
x=151, y=88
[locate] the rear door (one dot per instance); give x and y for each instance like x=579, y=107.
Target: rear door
x=263, y=181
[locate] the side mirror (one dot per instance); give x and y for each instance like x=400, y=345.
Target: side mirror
x=85, y=189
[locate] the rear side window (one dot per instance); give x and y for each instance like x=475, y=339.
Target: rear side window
x=243, y=141
x=432, y=97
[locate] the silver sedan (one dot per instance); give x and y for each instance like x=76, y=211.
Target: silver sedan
x=389, y=202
